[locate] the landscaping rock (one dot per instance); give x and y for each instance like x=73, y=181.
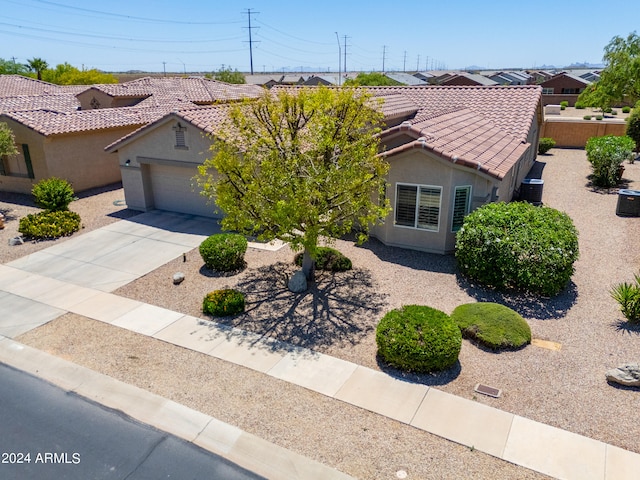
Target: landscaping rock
x=178, y=278
x=298, y=282
x=627, y=374
x=1, y=221
x=15, y=241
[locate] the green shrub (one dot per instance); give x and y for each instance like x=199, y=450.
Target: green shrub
x=579, y=106
x=492, y=325
x=606, y=155
x=564, y=104
x=545, y=144
x=224, y=252
x=46, y=224
x=599, y=117
x=53, y=194
x=418, y=339
x=626, y=109
x=517, y=245
x=633, y=126
x=328, y=259
x=628, y=296
x=614, y=112
x=587, y=117
x=223, y=303
x=607, y=110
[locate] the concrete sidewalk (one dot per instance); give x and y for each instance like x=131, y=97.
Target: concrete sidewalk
x=36, y=298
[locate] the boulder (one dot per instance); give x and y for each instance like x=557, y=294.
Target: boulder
x=15, y=241
x=178, y=278
x=298, y=282
x=627, y=374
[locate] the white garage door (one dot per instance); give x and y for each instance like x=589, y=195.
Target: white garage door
x=175, y=191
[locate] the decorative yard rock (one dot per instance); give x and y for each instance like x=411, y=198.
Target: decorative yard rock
x=627, y=374
x=1, y=221
x=298, y=282
x=15, y=241
x=178, y=278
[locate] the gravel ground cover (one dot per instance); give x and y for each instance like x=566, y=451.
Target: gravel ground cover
x=564, y=388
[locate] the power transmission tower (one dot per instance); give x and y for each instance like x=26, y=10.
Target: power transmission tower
x=384, y=55
x=345, y=54
x=251, y=41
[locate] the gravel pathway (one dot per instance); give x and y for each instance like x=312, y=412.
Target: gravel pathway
x=564, y=388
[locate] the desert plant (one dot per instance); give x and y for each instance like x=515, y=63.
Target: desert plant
x=626, y=109
x=545, y=144
x=492, y=325
x=599, y=117
x=608, y=110
x=628, y=297
x=518, y=246
x=328, y=259
x=587, y=117
x=46, y=225
x=53, y=194
x=223, y=303
x=224, y=252
x=418, y=338
x=579, y=106
x=614, y=112
x=606, y=155
x=563, y=105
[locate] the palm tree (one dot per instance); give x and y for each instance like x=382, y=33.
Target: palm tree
x=37, y=65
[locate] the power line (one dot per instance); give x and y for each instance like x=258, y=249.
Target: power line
x=248, y=13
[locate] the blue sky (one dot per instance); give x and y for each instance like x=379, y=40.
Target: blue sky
x=195, y=35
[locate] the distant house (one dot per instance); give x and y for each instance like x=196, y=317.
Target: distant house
x=467, y=80
x=426, y=76
x=451, y=149
x=510, y=78
x=563, y=87
x=406, y=79
x=326, y=80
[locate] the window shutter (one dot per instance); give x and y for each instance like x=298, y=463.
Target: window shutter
x=406, y=196
x=180, y=142
x=429, y=211
x=27, y=160
x=460, y=207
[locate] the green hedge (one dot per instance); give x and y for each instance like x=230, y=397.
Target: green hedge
x=418, y=339
x=545, y=144
x=328, y=259
x=492, y=325
x=53, y=194
x=518, y=245
x=224, y=252
x=223, y=303
x=46, y=225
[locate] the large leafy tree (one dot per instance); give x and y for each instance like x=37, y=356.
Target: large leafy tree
x=299, y=165
x=11, y=67
x=37, y=65
x=229, y=76
x=66, y=74
x=372, y=79
x=620, y=79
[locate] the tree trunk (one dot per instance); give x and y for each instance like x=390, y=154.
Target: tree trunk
x=308, y=265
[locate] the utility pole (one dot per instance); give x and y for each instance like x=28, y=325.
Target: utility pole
x=418, y=64
x=426, y=65
x=164, y=69
x=345, y=54
x=384, y=56
x=339, y=59
x=251, y=42
x=404, y=63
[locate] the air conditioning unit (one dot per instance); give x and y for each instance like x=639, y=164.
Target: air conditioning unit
x=531, y=190
x=628, y=203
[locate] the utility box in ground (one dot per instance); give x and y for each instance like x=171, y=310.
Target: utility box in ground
x=628, y=203
x=531, y=190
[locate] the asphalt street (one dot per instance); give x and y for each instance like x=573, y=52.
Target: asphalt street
x=47, y=433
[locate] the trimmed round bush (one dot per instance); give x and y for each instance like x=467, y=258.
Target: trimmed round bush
x=224, y=252
x=579, y=106
x=626, y=109
x=53, y=194
x=587, y=117
x=493, y=325
x=418, y=339
x=518, y=246
x=545, y=144
x=599, y=117
x=47, y=225
x=328, y=259
x=223, y=303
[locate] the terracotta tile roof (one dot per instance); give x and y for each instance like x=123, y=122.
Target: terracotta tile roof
x=485, y=128
x=191, y=89
x=48, y=123
x=13, y=85
x=56, y=102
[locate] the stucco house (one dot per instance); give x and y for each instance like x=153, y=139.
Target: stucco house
x=451, y=150
x=62, y=131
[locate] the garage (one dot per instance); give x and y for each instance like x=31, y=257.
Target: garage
x=174, y=189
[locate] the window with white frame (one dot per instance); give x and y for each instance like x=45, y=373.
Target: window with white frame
x=418, y=206
x=547, y=91
x=461, y=205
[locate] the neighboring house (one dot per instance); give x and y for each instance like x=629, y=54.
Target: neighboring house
x=468, y=80
x=67, y=145
x=406, y=79
x=62, y=131
x=539, y=76
x=451, y=150
x=510, y=78
x=326, y=80
x=426, y=76
x=563, y=87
